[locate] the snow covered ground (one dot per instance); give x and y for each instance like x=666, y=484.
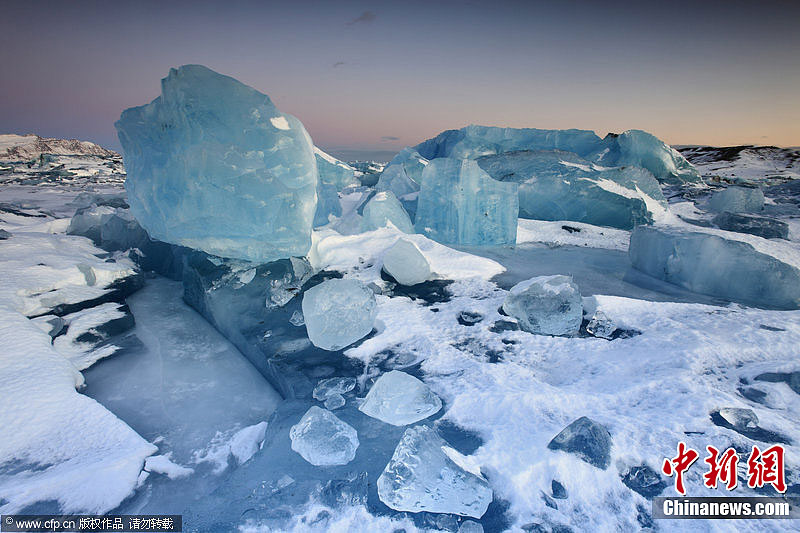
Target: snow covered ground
x=759, y=164
x=167, y=419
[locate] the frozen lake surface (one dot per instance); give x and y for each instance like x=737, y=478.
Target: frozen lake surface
x=595, y=270
x=184, y=388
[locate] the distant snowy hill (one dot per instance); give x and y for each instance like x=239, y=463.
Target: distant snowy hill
x=27, y=147
x=768, y=165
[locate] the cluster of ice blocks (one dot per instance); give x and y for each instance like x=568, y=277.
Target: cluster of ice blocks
x=631, y=148
x=562, y=175
x=557, y=185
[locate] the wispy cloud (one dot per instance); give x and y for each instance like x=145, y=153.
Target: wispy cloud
x=390, y=138
x=366, y=17
x=339, y=64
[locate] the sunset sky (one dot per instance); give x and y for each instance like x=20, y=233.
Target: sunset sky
x=383, y=75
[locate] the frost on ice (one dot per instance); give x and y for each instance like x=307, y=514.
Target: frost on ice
x=459, y=203
x=322, y=439
x=209, y=150
x=338, y=312
x=406, y=263
x=421, y=476
x=400, y=399
x=546, y=305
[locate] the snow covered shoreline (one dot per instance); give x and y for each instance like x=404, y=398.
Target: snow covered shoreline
x=506, y=393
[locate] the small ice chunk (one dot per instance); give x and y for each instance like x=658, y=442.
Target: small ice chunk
x=546, y=305
x=297, y=319
x=587, y=439
x=421, y=477
x=334, y=401
x=328, y=205
x=406, y=263
x=737, y=200
x=601, y=326
x=329, y=387
x=338, y=312
x=399, y=399
x=322, y=439
x=739, y=418
x=468, y=526
x=334, y=172
x=644, y=480
x=384, y=208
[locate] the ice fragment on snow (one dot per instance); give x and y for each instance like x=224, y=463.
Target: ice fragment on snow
x=421, y=477
x=406, y=263
x=338, y=312
x=399, y=399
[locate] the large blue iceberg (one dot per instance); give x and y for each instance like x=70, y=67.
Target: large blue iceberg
x=213, y=165
x=557, y=185
x=631, y=148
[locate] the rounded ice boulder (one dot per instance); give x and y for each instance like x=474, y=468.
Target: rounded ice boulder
x=322, y=439
x=399, y=399
x=406, y=264
x=546, y=305
x=213, y=165
x=338, y=312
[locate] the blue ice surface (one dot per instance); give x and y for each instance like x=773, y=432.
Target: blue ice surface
x=715, y=265
x=459, y=203
x=557, y=185
x=641, y=149
x=213, y=165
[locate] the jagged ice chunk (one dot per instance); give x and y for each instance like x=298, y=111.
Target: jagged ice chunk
x=213, y=165
x=399, y=399
x=546, y=305
x=422, y=477
x=322, y=439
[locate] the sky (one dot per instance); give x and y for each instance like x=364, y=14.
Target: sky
x=378, y=76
